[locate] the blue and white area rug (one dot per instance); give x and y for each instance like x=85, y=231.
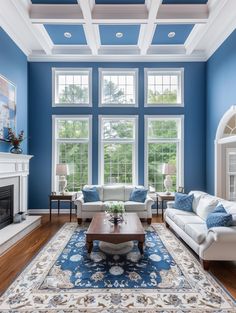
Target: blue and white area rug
x=63, y=278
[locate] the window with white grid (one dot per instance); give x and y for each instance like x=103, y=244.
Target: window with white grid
x=118, y=87
x=72, y=147
x=164, y=144
x=231, y=174
x=118, y=150
x=164, y=87
x=72, y=87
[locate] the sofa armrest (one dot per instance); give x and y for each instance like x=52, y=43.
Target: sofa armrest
x=223, y=234
x=170, y=205
x=148, y=204
x=79, y=203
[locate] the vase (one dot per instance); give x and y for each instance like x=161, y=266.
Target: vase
x=16, y=150
x=115, y=216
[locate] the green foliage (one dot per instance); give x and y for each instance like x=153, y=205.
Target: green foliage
x=74, y=94
x=73, y=129
x=112, y=93
x=168, y=97
x=118, y=129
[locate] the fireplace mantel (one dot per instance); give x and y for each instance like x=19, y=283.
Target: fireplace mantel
x=16, y=166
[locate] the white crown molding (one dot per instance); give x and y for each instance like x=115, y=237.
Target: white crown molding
x=196, y=57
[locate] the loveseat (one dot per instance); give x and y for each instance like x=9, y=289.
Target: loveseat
x=113, y=193
x=217, y=243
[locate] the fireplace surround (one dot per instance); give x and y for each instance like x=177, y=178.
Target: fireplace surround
x=6, y=205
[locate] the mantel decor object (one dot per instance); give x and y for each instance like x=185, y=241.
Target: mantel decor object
x=116, y=210
x=15, y=141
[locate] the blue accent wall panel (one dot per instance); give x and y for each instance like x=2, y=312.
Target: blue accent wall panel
x=40, y=123
x=108, y=34
x=13, y=66
x=221, y=95
x=181, y=34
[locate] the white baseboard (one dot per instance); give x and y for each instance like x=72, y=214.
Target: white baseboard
x=46, y=211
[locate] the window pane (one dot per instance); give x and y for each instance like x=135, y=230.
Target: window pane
x=163, y=88
x=115, y=129
x=72, y=88
x=76, y=156
x=73, y=129
x=118, y=163
x=118, y=88
x=162, y=129
x=158, y=154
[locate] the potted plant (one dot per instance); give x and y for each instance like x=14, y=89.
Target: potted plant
x=15, y=141
x=116, y=208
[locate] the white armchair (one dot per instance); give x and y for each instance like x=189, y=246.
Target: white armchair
x=113, y=193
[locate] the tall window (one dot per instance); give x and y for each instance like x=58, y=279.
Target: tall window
x=71, y=87
x=72, y=145
x=164, y=87
x=118, y=150
x=231, y=174
x=118, y=87
x=164, y=144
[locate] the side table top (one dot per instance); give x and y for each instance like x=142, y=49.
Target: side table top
x=68, y=196
x=165, y=196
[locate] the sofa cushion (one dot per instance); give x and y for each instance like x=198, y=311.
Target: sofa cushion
x=197, y=196
x=90, y=194
x=138, y=195
x=206, y=205
x=197, y=232
x=99, y=189
x=183, y=220
x=183, y=202
x=229, y=206
x=219, y=219
x=93, y=206
x=171, y=213
x=128, y=190
x=132, y=206
x=113, y=193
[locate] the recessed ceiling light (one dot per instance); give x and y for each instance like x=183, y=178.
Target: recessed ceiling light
x=67, y=35
x=119, y=35
x=171, y=34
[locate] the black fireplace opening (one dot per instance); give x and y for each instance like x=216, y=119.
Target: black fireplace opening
x=6, y=205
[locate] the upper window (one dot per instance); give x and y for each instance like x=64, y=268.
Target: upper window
x=164, y=87
x=118, y=150
x=72, y=87
x=118, y=87
x=230, y=128
x=164, y=144
x=72, y=146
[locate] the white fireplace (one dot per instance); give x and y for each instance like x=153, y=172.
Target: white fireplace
x=14, y=171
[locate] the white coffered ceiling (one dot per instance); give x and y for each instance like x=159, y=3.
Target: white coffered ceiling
x=38, y=29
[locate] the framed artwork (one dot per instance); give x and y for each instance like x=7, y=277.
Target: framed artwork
x=7, y=106
x=181, y=189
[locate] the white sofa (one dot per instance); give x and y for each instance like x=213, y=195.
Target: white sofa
x=113, y=193
x=217, y=243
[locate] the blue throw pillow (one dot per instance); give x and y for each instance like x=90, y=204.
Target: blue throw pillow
x=138, y=195
x=90, y=194
x=183, y=202
x=219, y=217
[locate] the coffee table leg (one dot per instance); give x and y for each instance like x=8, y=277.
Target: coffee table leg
x=140, y=246
x=89, y=246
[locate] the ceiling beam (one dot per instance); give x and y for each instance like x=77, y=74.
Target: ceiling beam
x=117, y=13
x=46, y=14
x=200, y=31
x=182, y=13
x=147, y=33
x=89, y=28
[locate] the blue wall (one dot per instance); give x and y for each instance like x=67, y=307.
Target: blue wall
x=40, y=123
x=13, y=65
x=221, y=95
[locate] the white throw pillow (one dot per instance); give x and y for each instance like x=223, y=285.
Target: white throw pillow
x=197, y=196
x=113, y=193
x=205, y=206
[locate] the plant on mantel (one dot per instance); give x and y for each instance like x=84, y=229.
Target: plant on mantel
x=14, y=140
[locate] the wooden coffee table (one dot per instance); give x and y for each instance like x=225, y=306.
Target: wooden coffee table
x=124, y=232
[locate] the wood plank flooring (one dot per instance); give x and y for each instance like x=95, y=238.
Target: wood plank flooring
x=15, y=260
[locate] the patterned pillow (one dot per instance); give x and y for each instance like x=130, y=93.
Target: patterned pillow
x=183, y=202
x=90, y=194
x=138, y=195
x=219, y=217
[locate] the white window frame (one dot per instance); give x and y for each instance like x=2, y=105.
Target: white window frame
x=180, y=147
x=106, y=71
x=160, y=71
x=55, y=118
x=134, y=142
x=228, y=173
x=58, y=70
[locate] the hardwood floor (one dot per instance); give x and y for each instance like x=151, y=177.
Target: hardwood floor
x=14, y=261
